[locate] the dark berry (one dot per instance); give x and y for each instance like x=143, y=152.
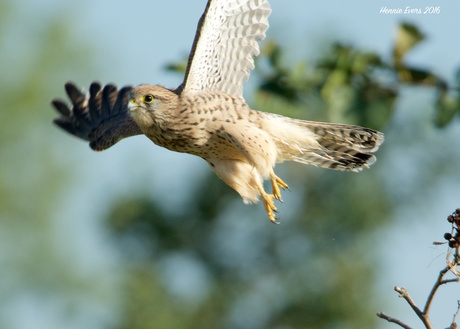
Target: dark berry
x=453, y=244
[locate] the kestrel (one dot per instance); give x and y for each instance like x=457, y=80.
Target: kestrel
x=207, y=115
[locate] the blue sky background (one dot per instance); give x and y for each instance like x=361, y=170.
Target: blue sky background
x=132, y=43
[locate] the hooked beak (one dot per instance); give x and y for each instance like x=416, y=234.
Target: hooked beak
x=132, y=105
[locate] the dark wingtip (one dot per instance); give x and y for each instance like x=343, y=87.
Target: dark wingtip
x=99, y=116
x=94, y=88
x=120, y=103
x=64, y=124
x=96, y=147
x=109, y=94
x=101, y=144
x=61, y=107
x=71, y=128
x=75, y=94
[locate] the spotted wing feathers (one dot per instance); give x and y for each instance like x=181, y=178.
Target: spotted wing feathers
x=225, y=45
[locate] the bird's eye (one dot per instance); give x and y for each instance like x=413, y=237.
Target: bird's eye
x=148, y=99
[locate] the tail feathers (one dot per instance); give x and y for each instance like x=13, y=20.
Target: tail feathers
x=348, y=160
x=336, y=146
x=356, y=137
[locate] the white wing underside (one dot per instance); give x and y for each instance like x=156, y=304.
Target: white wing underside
x=225, y=45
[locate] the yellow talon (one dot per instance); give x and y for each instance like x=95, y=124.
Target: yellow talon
x=269, y=205
x=276, y=184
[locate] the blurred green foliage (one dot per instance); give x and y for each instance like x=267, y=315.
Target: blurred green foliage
x=448, y=97
x=35, y=270
x=343, y=86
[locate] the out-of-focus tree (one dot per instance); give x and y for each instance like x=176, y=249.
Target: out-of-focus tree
x=37, y=273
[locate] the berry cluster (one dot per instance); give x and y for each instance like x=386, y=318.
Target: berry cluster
x=454, y=237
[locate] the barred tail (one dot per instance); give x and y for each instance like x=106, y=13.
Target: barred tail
x=326, y=145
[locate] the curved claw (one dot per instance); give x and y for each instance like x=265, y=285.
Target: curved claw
x=269, y=205
x=277, y=183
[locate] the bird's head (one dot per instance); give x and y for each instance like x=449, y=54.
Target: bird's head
x=149, y=104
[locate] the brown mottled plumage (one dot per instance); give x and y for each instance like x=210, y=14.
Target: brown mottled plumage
x=208, y=117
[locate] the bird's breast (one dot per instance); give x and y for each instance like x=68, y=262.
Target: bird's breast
x=195, y=125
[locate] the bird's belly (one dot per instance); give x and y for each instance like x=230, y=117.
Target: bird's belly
x=207, y=146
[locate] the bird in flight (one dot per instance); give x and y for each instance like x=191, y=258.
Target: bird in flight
x=207, y=115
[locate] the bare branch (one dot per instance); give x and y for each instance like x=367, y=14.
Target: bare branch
x=437, y=284
x=393, y=320
x=422, y=316
x=440, y=281
x=449, y=281
x=453, y=261
x=454, y=324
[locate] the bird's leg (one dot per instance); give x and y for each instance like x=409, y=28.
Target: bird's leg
x=276, y=184
x=269, y=205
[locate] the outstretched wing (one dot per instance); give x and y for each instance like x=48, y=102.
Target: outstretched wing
x=224, y=46
x=100, y=117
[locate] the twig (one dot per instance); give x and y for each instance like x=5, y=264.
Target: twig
x=449, y=281
x=452, y=265
x=454, y=324
x=438, y=283
x=424, y=317
x=396, y=321
x=452, y=260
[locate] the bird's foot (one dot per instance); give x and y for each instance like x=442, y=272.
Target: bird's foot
x=277, y=183
x=270, y=208
x=269, y=205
